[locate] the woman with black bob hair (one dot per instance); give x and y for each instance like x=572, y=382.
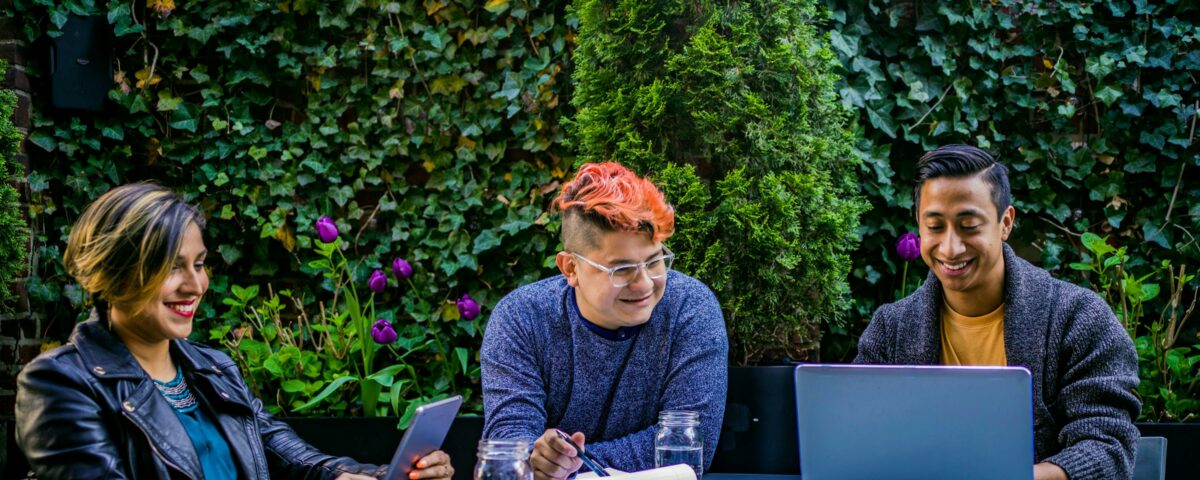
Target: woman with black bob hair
x=129, y=396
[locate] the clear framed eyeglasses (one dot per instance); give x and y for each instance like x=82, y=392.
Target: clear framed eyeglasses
x=622, y=275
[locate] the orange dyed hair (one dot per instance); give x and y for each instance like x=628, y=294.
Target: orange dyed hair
x=613, y=198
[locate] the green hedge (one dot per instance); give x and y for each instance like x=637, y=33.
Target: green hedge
x=1092, y=104
x=426, y=130
x=731, y=107
x=14, y=232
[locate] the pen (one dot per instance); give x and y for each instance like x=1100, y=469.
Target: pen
x=588, y=460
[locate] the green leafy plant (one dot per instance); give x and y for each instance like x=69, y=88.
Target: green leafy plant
x=14, y=231
x=309, y=363
x=362, y=318
x=1168, y=371
x=730, y=107
x=284, y=362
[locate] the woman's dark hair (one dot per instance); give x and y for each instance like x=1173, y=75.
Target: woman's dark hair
x=961, y=161
x=125, y=243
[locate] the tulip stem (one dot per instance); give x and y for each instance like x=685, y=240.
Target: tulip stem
x=904, y=281
x=367, y=342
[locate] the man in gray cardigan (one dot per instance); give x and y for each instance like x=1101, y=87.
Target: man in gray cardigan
x=981, y=304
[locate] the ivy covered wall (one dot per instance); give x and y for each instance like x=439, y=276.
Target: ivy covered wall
x=1093, y=106
x=428, y=130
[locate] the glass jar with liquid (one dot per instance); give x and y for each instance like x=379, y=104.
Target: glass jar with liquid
x=503, y=460
x=678, y=440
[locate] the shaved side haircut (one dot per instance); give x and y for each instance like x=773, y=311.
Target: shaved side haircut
x=608, y=197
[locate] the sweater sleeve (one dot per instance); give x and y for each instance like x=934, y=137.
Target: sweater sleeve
x=697, y=380
x=1099, y=365
x=872, y=345
x=514, y=395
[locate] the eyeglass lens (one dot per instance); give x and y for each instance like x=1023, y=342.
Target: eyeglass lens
x=625, y=275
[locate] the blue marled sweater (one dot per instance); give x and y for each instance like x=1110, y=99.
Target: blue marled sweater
x=543, y=368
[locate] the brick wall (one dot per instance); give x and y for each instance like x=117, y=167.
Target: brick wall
x=19, y=331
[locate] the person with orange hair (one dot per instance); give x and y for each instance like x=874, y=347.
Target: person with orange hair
x=617, y=338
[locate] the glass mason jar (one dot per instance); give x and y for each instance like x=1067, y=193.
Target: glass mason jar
x=678, y=440
x=503, y=460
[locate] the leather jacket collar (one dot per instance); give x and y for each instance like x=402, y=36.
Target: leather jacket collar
x=106, y=357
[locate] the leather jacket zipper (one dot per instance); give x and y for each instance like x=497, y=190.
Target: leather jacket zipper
x=157, y=453
x=259, y=457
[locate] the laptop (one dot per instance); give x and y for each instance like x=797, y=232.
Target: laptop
x=914, y=422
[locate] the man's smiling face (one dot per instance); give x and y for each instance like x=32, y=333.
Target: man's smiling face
x=962, y=237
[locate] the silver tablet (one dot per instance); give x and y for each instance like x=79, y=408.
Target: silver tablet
x=424, y=436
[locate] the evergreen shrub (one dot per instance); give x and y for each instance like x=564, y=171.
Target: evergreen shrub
x=14, y=231
x=731, y=108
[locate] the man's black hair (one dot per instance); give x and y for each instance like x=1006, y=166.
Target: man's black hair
x=961, y=161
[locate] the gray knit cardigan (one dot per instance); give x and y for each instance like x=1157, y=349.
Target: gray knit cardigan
x=1083, y=363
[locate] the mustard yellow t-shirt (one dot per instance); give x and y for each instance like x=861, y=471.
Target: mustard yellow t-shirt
x=973, y=340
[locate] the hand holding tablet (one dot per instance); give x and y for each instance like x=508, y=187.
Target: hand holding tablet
x=424, y=436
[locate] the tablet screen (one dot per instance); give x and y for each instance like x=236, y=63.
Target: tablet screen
x=429, y=427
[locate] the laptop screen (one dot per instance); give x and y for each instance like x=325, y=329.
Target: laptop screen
x=919, y=422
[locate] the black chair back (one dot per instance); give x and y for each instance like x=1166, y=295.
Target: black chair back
x=374, y=440
x=759, y=431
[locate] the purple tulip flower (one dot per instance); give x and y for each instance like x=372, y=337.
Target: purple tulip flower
x=467, y=307
x=383, y=333
x=909, y=247
x=401, y=268
x=378, y=281
x=326, y=230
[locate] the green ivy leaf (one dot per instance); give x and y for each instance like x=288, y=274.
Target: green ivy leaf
x=496, y=6
x=847, y=46
x=486, y=240
x=341, y=195
x=1066, y=109
x=257, y=153
x=41, y=139
x=229, y=253
x=882, y=121
x=1108, y=95
x=1153, y=232
x=113, y=132
x=167, y=102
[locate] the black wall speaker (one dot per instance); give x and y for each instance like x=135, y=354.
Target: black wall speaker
x=81, y=64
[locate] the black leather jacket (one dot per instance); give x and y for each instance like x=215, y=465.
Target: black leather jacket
x=88, y=410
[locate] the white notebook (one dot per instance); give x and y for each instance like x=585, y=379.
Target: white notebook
x=673, y=472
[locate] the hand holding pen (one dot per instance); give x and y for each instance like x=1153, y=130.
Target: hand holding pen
x=589, y=461
x=556, y=456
